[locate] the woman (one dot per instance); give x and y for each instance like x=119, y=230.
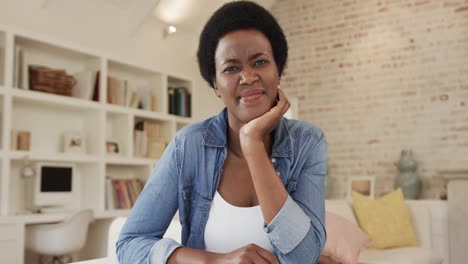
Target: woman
x=248, y=183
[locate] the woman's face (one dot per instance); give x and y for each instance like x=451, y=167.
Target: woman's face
x=246, y=75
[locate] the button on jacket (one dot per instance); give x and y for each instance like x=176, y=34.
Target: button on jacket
x=186, y=179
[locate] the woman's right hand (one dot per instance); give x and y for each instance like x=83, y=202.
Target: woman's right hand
x=247, y=254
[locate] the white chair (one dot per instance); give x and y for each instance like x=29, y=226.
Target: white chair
x=62, y=238
x=114, y=231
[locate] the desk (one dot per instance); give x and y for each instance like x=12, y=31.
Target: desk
x=12, y=231
x=12, y=228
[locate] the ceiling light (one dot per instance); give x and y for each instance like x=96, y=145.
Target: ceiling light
x=170, y=30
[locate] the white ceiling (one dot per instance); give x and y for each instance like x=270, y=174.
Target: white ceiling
x=127, y=16
x=191, y=15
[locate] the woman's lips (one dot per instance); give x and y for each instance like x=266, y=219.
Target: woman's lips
x=251, y=97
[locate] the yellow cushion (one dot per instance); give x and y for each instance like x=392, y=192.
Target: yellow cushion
x=386, y=220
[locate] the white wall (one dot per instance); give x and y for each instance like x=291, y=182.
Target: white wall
x=116, y=30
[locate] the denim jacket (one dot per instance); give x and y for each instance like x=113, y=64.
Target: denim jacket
x=187, y=176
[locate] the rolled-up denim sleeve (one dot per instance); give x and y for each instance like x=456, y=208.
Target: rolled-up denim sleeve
x=297, y=232
x=141, y=239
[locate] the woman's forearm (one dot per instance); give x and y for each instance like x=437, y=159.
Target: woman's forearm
x=184, y=255
x=269, y=188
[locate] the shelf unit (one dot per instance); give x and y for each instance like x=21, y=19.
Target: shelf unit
x=48, y=117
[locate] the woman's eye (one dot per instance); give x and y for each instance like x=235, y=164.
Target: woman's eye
x=260, y=62
x=230, y=69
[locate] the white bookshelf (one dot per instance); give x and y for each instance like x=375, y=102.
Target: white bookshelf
x=48, y=116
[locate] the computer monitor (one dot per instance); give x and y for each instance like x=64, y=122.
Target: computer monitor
x=55, y=185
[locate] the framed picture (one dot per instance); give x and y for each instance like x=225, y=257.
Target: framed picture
x=74, y=142
x=112, y=147
x=361, y=184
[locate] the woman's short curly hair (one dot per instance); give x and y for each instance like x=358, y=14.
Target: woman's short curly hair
x=234, y=16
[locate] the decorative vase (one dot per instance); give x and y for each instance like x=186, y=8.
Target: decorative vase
x=408, y=180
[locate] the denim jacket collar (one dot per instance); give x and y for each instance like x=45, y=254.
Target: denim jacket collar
x=215, y=135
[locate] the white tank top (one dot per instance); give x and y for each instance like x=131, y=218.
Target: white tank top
x=231, y=227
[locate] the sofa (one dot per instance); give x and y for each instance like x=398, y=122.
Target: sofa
x=421, y=219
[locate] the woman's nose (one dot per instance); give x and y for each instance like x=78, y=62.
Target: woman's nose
x=248, y=77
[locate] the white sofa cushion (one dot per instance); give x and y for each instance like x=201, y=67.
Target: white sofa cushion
x=421, y=219
x=406, y=255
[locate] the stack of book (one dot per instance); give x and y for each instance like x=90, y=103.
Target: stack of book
x=122, y=194
x=149, y=140
x=179, y=101
x=126, y=93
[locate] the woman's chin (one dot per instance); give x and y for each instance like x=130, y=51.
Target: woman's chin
x=250, y=114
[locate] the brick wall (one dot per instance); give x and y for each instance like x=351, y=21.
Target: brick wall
x=380, y=76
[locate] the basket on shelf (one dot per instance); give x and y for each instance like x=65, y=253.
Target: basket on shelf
x=49, y=80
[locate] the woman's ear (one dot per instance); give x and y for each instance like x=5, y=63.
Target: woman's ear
x=216, y=91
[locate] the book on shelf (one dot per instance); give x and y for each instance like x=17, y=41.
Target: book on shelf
x=155, y=149
x=179, y=101
x=121, y=92
x=17, y=83
x=149, y=139
x=171, y=98
x=21, y=69
x=140, y=143
x=112, y=90
x=154, y=103
x=96, y=87
x=122, y=193
x=124, y=189
x=25, y=71
x=127, y=93
x=188, y=105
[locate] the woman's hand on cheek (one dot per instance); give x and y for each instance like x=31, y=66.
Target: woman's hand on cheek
x=256, y=129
